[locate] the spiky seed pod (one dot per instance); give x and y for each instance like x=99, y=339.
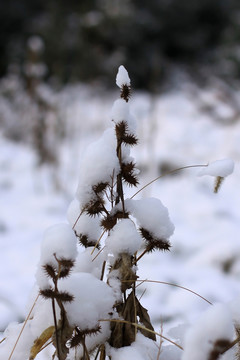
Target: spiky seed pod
x=154, y=243
x=127, y=171
x=80, y=335
x=125, y=92
x=76, y=340
x=95, y=207
x=123, y=135
x=218, y=183
x=99, y=188
x=64, y=296
x=121, y=129
x=86, y=242
x=52, y=294
x=108, y=222
x=66, y=262
x=48, y=293
x=130, y=139
x=64, y=272
x=50, y=271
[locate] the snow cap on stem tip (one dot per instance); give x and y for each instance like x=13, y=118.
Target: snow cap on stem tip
x=122, y=77
x=218, y=168
x=123, y=81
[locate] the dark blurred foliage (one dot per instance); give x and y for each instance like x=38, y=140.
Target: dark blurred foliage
x=87, y=40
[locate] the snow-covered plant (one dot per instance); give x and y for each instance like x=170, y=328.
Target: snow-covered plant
x=86, y=305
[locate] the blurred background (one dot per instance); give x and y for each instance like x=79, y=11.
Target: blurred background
x=58, y=65
x=87, y=40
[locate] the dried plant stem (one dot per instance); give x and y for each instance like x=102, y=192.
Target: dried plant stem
x=2, y=340
x=172, y=284
x=166, y=174
x=103, y=269
x=99, y=253
x=140, y=256
x=232, y=344
x=120, y=194
x=143, y=328
x=161, y=342
x=95, y=246
x=56, y=329
x=85, y=351
x=24, y=324
x=77, y=219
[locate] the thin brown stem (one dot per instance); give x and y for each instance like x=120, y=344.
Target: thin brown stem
x=95, y=246
x=166, y=174
x=103, y=269
x=232, y=344
x=171, y=284
x=2, y=340
x=140, y=256
x=77, y=219
x=23, y=327
x=56, y=330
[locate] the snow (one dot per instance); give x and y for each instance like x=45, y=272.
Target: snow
x=205, y=246
x=83, y=224
x=151, y=215
x=121, y=112
x=122, y=77
x=123, y=238
x=59, y=242
x=86, y=262
x=215, y=324
x=93, y=300
x=99, y=164
x=220, y=168
x=143, y=348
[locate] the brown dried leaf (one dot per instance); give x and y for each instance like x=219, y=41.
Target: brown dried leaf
x=41, y=341
x=145, y=320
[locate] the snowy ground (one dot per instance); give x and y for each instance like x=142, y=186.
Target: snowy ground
x=174, y=131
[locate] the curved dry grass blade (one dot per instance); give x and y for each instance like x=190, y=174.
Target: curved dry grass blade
x=166, y=174
x=23, y=327
x=143, y=328
x=172, y=284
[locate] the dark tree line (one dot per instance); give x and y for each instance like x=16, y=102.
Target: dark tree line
x=87, y=40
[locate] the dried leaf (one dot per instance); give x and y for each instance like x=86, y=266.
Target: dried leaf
x=218, y=183
x=145, y=320
x=124, y=334
x=40, y=341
